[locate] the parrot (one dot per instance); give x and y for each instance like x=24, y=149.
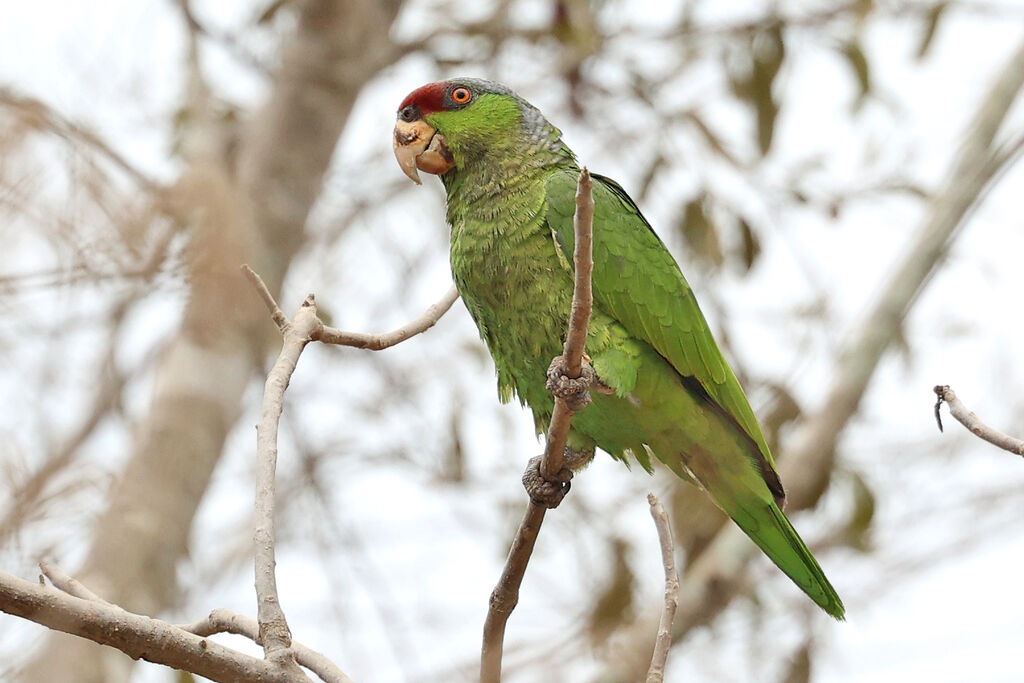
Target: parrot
x=663, y=387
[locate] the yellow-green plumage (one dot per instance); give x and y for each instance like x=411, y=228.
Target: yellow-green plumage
x=510, y=206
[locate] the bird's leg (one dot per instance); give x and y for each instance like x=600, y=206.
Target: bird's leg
x=547, y=493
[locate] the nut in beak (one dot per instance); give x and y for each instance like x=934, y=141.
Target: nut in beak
x=419, y=146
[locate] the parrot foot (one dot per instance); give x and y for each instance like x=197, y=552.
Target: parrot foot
x=544, y=493
x=549, y=494
x=575, y=392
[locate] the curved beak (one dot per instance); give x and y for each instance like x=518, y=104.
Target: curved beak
x=419, y=146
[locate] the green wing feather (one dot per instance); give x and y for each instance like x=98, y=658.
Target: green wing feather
x=637, y=282
x=640, y=284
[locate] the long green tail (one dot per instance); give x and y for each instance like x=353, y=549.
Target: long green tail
x=786, y=549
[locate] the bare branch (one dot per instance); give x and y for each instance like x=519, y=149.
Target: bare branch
x=226, y=621
x=378, y=342
x=360, y=340
x=273, y=627
x=583, y=260
x=973, y=423
x=579, y=322
x=218, y=621
x=663, y=643
x=138, y=636
x=273, y=632
x=505, y=595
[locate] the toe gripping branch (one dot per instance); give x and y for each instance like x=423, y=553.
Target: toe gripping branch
x=543, y=492
x=548, y=491
x=575, y=392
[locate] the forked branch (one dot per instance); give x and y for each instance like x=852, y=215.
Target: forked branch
x=138, y=636
x=306, y=326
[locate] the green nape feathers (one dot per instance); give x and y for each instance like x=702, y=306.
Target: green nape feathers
x=511, y=183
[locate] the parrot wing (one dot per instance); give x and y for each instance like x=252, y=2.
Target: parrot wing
x=637, y=281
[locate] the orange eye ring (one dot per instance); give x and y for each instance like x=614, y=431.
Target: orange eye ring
x=461, y=95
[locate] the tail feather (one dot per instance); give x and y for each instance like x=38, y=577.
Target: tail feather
x=737, y=488
x=781, y=543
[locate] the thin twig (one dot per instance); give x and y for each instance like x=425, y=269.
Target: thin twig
x=583, y=261
x=973, y=423
x=276, y=314
x=378, y=342
x=663, y=643
x=505, y=595
x=359, y=340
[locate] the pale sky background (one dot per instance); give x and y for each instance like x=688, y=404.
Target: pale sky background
x=115, y=66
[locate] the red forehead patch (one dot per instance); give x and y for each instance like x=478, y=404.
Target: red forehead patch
x=429, y=98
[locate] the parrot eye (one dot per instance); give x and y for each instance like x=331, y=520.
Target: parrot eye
x=409, y=113
x=461, y=95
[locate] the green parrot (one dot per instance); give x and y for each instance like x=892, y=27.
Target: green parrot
x=663, y=386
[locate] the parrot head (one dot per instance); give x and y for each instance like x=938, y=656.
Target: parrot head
x=460, y=122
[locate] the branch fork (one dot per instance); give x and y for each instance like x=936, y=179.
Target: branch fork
x=306, y=326
x=71, y=607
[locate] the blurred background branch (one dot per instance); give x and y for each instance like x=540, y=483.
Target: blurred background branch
x=974, y=425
